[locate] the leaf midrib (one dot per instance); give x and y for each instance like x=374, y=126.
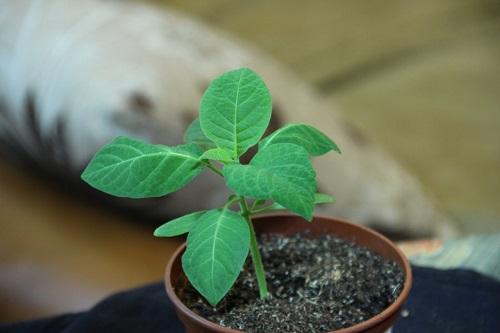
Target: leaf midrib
x=272, y=136
x=212, y=263
x=214, y=238
x=307, y=139
x=235, y=146
x=272, y=173
x=131, y=160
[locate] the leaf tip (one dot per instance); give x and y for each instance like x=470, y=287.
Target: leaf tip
x=157, y=232
x=213, y=302
x=308, y=215
x=85, y=174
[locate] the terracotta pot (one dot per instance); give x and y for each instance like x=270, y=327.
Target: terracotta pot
x=289, y=225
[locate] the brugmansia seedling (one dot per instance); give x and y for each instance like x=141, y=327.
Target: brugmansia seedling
x=234, y=113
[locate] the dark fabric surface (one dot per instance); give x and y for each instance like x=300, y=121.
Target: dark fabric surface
x=451, y=301
x=441, y=301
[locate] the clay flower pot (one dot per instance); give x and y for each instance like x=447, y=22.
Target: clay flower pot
x=289, y=225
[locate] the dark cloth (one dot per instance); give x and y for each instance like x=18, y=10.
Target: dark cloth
x=441, y=301
x=451, y=301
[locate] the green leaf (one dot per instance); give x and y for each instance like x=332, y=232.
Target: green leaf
x=321, y=198
x=195, y=135
x=315, y=142
x=217, y=154
x=258, y=203
x=217, y=247
x=235, y=110
x=281, y=172
x=178, y=226
x=132, y=168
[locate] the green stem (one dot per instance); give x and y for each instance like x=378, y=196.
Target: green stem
x=231, y=201
x=254, y=250
x=214, y=169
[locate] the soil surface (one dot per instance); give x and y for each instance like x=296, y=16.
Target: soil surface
x=316, y=285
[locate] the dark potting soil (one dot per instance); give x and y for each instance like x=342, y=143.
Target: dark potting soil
x=316, y=285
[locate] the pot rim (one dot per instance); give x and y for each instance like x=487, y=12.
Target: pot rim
x=373, y=321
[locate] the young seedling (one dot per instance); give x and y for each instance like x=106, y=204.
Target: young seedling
x=234, y=113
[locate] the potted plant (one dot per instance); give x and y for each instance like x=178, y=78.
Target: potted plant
x=234, y=113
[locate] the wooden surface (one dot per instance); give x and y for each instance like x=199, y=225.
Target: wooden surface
x=61, y=254
x=421, y=77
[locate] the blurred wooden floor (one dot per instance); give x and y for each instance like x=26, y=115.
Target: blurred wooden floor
x=59, y=254
x=421, y=77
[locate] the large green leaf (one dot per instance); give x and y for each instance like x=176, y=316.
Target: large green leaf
x=281, y=172
x=132, y=168
x=235, y=110
x=217, y=247
x=315, y=142
x=178, y=226
x=194, y=134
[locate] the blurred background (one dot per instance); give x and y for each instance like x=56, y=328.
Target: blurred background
x=419, y=78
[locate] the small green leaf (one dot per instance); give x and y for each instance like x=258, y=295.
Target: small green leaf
x=321, y=198
x=178, y=226
x=217, y=247
x=272, y=207
x=235, y=110
x=281, y=172
x=217, y=154
x=315, y=142
x=132, y=168
x=258, y=203
x=195, y=135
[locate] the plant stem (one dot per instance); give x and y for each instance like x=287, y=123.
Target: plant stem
x=231, y=201
x=214, y=169
x=254, y=250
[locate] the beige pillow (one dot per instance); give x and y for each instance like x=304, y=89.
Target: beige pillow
x=75, y=74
